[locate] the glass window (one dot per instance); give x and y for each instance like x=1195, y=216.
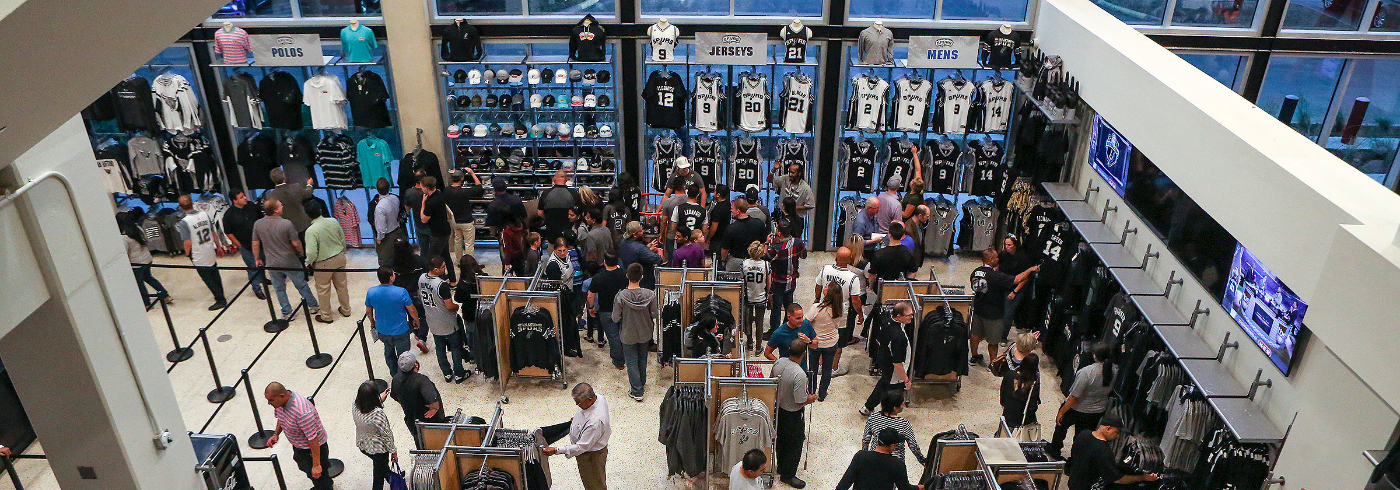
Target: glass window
x=479, y=7
x=339, y=8
x=255, y=8
x=1214, y=13
x=1387, y=17
x=571, y=7
x=1138, y=12
x=1312, y=80
x=1372, y=100
x=893, y=9
x=1224, y=68
x=1007, y=10
x=685, y=7
x=1331, y=15
x=785, y=8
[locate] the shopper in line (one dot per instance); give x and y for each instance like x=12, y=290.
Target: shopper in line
x=413, y=205
x=435, y=214
x=889, y=353
x=893, y=262
x=325, y=254
x=718, y=214
x=297, y=418
x=824, y=316
x=690, y=250
x=505, y=215
x=559, y=267
x=1011, y=260
x=634, y=251
x=1020, y=392
x=373, y=436
x=555, y=204
x=464, y=294
x=197, y=232
x=848, y=282
x=598, y=241
x=417, y=395
x=793, y=399
x=588, y=430
x=675, y=196
x=441, y=314
x=795, y=327
x=635, y=311
x=758, y=279
x=741, y=232
x=891, y=405
x=1087, y=400
x=756, y=207
x=291, y=195
x=991, y=288
x=1092, y=461
x=277, y=246
x=140, y=257
x=530, y=263
x=785, y=253
x=238, y=225
x=602, y=292
x=744, y=474
x=387, y=221
x=408, y=266
x=914, y=231
x=688, y=178
x=392, y=315
x=909, y=204
x=794, y=185
x=459, y=201
x=876, y=469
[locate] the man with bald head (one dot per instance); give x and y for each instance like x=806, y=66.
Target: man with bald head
x=867, y=224
x=555, y=204
x=841, y=275
x=297, y=418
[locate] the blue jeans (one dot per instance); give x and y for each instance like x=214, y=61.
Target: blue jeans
x=394, y=345
x=823, y=357
x=144, y=277
x=610, y=329
x=255, y=274
x=635, y=356
x=781, y=296
x=443, y=343
x=279, y=284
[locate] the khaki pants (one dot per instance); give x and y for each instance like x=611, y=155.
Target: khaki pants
x=593, y=469
x=463, y=241
x=325, y=278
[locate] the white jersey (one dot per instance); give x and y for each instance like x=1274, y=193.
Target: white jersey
x=663, y=42
x=956, y=100
x=845, y=279
x=113, y=176
x=707, y=102
x=867, y=111
x=755, y=279
x=197, y=228
x=753, y=95
x=911, y=103
x=797, y=101
x=996, y=105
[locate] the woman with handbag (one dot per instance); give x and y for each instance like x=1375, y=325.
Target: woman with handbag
x=373, y=436
x=1020, y=396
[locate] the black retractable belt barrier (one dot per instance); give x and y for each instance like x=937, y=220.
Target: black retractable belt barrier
x=259, y=439
x=179, y=353
x=319, y=359
x=220, y=393
x=276, y=324
x=14, y=478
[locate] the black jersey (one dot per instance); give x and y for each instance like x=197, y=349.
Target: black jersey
x=1039, y=223
x=532, y=339
x=792, y=151
x=941, y=166
x=704, y=160
x=665, y=149
x=1000, y=48
x=1056, y=253
x=1117, y=316
x=747, y=164
x=665, y=94
x=687, y=217
x=795, y=44
x=899, y=163
x=986, y=167
x=860, y=165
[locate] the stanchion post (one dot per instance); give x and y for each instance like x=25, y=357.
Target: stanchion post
x=369, y=364
x=220, y=393
x=276, y=324
x=259, y=439
x=10, y=469
x=277, y=470
x=319, y=359
x=179, y=353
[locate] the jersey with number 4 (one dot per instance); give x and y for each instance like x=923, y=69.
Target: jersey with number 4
x=994, y=98
x=797, y=101
x=663, y=42
x=753, y=95
x=746, y=164
x=708, y=94
x=954, y=101
x=867, y=111
x=911, y=103
x=860, y=166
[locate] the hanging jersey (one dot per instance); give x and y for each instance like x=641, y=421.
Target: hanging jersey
x=986, y=167
x=900, y=163
x=665, y=149
x=687, y=217
x=911, y=103
x=867, y=111
x=663, y=42
x=707, y=102
x=113, y=175
x=792, y=151
x=753, y=94
x=860, y=166
x=995, y=101
x=942, y=168
x=746, y=165
x=795, y=44
x=984, y=225
x=665, y=94
x=199, y=230
x=704, y=160
x=954, y=101
x=797, y=101
x=938, y=236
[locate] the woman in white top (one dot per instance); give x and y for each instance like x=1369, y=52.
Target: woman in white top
x=757, y=279
x=373, y=436
x=140, y=258
x=826, y=321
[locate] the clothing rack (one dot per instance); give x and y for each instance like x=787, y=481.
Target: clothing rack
x=923, y=304
x=507, y=301
x=765, y=389
x=730, y=291
x=443, y=441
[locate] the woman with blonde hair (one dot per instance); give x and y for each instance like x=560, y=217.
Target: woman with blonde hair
x=826, y=321
x=758, y=277
x=1020, y=390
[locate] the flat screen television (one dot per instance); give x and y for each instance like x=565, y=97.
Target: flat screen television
x=1109, y=152
x=1270, y=313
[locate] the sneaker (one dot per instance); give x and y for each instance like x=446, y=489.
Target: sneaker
x=218, y=306
x=344, y=311
x=465, y=376
x=602, y=343
x=975, y=360
x=794, y=482
x=447, y=378
x=324, y=319
x=841, y=371
x=864, y=412
x=619, y=367
x=636, y=397
x=588, y=338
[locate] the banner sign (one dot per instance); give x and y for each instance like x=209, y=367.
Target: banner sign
x=943, y=52
x=287, y=49
x=1109, y=153
x=731, y=48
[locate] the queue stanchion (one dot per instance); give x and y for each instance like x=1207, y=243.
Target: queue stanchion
x=276, y=324
x=10, y=469
x=277, y=470
x=259, y=439
x=220, y=393
x=179, y=353
x=380, y=384
x=319, y=359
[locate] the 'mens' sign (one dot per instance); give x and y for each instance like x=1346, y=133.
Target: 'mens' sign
x=943, y=52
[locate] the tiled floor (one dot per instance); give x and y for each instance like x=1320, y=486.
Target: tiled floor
x=637, y=459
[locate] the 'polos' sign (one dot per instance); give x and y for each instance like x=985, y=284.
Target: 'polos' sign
x=287, y=49
x=731, y=48
x=942, y=52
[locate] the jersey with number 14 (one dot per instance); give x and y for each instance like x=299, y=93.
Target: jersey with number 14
x=707, y=102
x=753, y=95
x=995, y=99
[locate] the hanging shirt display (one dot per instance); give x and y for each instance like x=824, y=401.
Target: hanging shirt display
x=368, y=99
x=533, y=340
x=281, y=97
x=241, y=100
x=994, y=105
x=135, y=105
x=876, y=46
x=705, y=160
x=986, y=169
x=747, y=163
x=942, y=166
x=665, y=149
x=113, y=176
x=665, y=94
x=663, y=42
x=461, y=42
x=336, y=156
x=1000, y=49
x=192, y=158
x=911, y=103
x=232, y=45
x=795, y=43
x=374, y=158
x=587, y=42
x=867, y=109
x=797, y=98
x=358, y=43
x=707, y=102
x=753, y=94
x=324, y=95
x=859, y=158
x=177, y=111
x=792, y=151
x=145, y=156
x=295, y=156
x=257, y=154
x=899, y=163
x=954, y=102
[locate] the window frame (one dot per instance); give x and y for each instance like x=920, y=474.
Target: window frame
x=1368, y=15
x=643, y=16
x=1032, y=11
x=1241, y=75
x=297, y=19
x=1254, y=29
x=436, y=17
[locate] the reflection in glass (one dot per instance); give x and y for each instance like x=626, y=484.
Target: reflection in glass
x=685, y=7
x=339, y=8
x=1214, y=13
x=1140, y=12
x=255, y=8
x=785, y=8
x=580, y=7
x=1370, y=144
x=1007, y=10
x=1387, y=18
x=1330, y=15
x=1224, y=68
x=892, y=9
x=1196, y=239
x=1312, y=80
x=479, y=7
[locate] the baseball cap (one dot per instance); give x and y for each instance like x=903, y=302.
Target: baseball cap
x=591, y=131
x=605, y=131
x=575, y=75
x=581, y=164
x=490, y=100
x=604, y=100
x=536, y=131
x=551, y=130
x=1111, y=420
x=533, y=76
x=590, y=100
x=518, y=100
x=508, y=129
x=488, y=75
x=454, y=131
x=578, y=129
x=464, y=101
x=563, y=101
x=604, y=76
x=590, y=77
x=561, y=75
x=494, y=129
x=474, y=77
x=479, y=131
x=682, y=162
x=548, y=101
x=459, y=76
x=476, y=100
x=889, y=436
x=576, y=101
x=536, y=101
x=407, y=360
x=515, y=75
x=502, y=76
x=563, y=131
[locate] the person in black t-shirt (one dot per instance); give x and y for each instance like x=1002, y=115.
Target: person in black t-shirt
x=877, y=469
x=602, y=290
x=459, y=200
x=433, y=212
x=1093, y=461
x=743, y=231
x=991, y=288
x=890, y=351
x=238, y=224
x=718, y=216
x=416, y=394
x=893, y=262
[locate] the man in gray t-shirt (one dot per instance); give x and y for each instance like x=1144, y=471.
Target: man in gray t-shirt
x=1087, y=400
x=792, y=398
x=275, y=245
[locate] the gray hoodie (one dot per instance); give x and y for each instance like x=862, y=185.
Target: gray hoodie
x=635, y=311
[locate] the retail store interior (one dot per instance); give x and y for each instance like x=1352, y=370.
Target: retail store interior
x=694, y=244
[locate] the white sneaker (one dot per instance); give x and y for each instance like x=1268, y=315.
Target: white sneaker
x=841, y=371
x=636, y=397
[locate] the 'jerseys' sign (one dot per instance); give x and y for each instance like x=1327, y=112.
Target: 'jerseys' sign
x=1109, y=152
x=287, y=49
x=942, y=52
x=731, y=48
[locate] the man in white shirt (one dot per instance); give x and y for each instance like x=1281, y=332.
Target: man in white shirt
x=850, y=285
x=744, y=475
x=197, y=233
x=589, y=430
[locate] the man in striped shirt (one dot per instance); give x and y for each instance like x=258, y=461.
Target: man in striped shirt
x=297, y=418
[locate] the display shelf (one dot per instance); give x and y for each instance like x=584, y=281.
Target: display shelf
x=1096, y=232
x=1246, y=421
x=489, y=60
x=1184, y=343
x=1213, y=379
x=340, y=61
x=1136, y=282
x=1062, y=192
x=1159, y=310
x=1080, y=211
x=1054, y=115
x=1114, y=255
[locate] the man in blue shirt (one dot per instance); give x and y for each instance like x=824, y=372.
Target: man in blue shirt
x=794, y=328
x=391, y=313
x=867, y=225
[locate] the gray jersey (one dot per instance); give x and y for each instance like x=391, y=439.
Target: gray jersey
x=984, y=226
x=938, y=237
x=144, y=155
x=911, y=103
x=441, y=321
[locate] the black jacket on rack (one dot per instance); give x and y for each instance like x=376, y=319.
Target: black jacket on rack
x=461, y=41
x=942, y=345
x=671, y=330
x=368, y=99
x=257, y=154
x=426, y=161
x=135, y=105
x=588, y=41
x=532, y=339
x=281, y=96
x=296, y=155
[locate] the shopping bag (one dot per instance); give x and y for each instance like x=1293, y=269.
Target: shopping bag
x=396, y=478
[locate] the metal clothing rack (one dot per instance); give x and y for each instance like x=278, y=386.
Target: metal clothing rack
x=730, y=291
x=444, y=441
x=507, y=301
x=726, y=387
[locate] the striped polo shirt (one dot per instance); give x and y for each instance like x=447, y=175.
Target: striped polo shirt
x=234, y=46
x=300, y=422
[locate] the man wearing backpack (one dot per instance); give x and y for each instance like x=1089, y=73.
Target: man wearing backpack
x=386, y=221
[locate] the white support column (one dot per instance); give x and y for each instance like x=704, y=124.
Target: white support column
x=416, y=92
